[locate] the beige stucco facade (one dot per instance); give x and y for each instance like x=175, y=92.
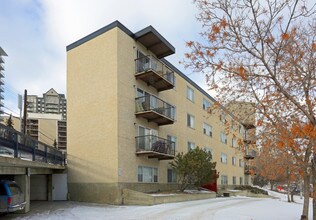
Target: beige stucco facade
x=102, y=126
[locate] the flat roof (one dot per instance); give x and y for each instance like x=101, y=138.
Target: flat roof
x=148, y=36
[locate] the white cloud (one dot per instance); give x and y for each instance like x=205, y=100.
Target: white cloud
x=37, y=33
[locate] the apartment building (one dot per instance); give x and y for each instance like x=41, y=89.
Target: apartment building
x=130, y=111
x=50, y=103
x=2, y=54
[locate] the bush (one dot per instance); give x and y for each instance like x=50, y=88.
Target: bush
x=251, y=189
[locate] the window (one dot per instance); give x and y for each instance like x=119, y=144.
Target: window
x=234, y=161
x=241, y=163
x=241, y=181
x=207, y=129
x=223, y=138
x=190, y=121
x=240, y=130
x=233, y=142
x=172, y=176
x=222, y=117
x=223, y=158
x=190, y=94
x=224, y=180
x=191, y=145
x=206, y=104
x=234, y=180
x=233, y=125
x=174, y=140
x=147, y=174
x=208, y=149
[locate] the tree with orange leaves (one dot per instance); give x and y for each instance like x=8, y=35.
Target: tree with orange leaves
x=264, y=52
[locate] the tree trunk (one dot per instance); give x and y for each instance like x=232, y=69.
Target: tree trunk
x=306, y=194
x=314, y=186
x=288, y=184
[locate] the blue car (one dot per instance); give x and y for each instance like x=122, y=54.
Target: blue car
x=11, y=197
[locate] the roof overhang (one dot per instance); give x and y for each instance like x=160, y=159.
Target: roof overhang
x=2, y=52
x=154, y=42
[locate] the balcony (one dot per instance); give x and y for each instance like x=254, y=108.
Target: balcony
x=155, y=147
x=250, y=140
x=250, y=154
x=250, y=170
x=154, y=110
x=154, y=73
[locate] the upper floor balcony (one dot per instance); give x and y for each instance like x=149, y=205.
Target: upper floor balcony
x=154, y=110
x=250, y=170
x=155, y=147
x=154, y=73
x=250, y=154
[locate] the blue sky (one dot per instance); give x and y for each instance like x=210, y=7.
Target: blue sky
x=35, y=33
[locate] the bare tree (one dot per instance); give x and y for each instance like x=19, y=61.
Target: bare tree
x=263, y=52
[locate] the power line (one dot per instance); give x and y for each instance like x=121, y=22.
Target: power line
x=11, y=110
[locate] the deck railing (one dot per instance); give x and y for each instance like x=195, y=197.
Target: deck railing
x=155, y=144
x=19, y=145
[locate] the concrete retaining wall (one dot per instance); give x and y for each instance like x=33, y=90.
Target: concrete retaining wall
x=131, y=197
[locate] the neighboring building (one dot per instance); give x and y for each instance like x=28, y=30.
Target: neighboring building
x=45, y=128
x=2, y=54
x=130, y=111
x=50, y=103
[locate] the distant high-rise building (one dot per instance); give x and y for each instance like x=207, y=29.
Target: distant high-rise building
x=50, y=103
x=2, y=54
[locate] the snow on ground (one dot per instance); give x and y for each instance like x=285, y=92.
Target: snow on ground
x=234, y=208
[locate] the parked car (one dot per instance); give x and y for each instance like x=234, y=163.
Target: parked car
x=11, y=197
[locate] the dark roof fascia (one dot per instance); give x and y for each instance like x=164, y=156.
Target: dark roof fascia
x=2, y=52
x=188, y=80
x=99, y=32
x=149, y=29
x=198, y=88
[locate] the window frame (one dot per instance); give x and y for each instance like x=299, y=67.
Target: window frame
x=206, y=104
x=154, y=174
x=190, y=121
x=205, y=126
x=190, y=144
x=223, y=138
x=234, y=161
x=224, y=158
x=190, y=94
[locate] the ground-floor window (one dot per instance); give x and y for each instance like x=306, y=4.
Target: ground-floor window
x=224, y=180
x=147, y=174
x=172, y=176
x=234, y=180
x=241, y=182
x=246, y=181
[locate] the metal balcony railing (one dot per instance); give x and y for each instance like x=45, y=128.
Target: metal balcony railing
x=154, y=73
x=250, y=170
x=155, y=147
x=23, y=146
x=154, y=109
x=250, y=154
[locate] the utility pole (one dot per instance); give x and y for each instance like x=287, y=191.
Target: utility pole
x=20, y=107
x=24, y=111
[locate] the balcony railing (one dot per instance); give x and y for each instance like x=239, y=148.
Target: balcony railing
x=250, y=154
x=22, y=146
x=155, y=147
x=154, y=110
x=154, y=73
x=250, y=170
